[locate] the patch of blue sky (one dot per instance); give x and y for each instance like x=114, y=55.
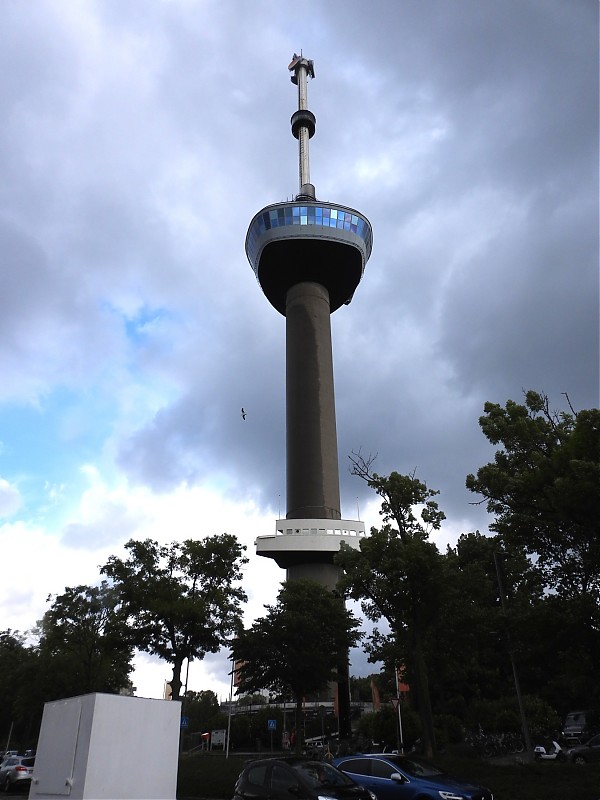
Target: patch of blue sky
x=42, y=448
x=148, y=324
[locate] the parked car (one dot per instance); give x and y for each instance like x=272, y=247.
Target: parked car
x=5, y=764
x=583, y=753
x=16, y=772
x=579, y=726
x=396, y=777
x=298, y=778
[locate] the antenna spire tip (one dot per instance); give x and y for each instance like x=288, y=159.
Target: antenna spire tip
x=299, y=61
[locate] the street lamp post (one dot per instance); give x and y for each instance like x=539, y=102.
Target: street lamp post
x=524, y=726
x=399, y=710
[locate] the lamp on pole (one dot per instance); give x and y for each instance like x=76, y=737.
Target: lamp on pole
x=524, y=726
x=230, y=705
x=397, y=706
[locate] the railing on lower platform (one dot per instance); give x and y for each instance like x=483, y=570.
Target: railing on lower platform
x=319, y=527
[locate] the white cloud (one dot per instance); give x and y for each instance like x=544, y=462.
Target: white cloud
x=10, y=499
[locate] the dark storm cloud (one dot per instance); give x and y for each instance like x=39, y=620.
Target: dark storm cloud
x=478, y=291
x=141, y=140
x=467, y=135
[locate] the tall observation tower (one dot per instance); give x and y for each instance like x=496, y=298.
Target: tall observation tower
x=309, y=256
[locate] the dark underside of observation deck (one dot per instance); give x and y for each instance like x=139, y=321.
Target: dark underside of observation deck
x=335, y=265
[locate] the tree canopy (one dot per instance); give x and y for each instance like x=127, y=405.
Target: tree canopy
x=203, y=711
x=544, y=489
x=396, y=575
x=16, y=666
x=80, y=645
x=295, y=648
x=184, y=599
x=85, y=634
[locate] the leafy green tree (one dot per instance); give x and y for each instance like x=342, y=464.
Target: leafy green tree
x=542, y=488
x=397, y=576
x=559, y=650
x=467, y=647
x=476, y=644
x=82, y=646
x=250, y=731
x=183, y=599
x=551, y=638
x=381, y=727
x=294, y=649
x=252, y=700
x=15, y=660
x=361, y=689
x=203, y=711
x=12, y=649
x=85, y=641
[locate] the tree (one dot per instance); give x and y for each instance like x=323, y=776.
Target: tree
x=85, y=639
x=397, y=576
x=82, y=646
x=252, y=700
x=182, y=599
x=203, y=711
x=543, y=489
x=381, y=727
x=294, y=649
x=15, y=659
x=560, y=652
x=475, y=643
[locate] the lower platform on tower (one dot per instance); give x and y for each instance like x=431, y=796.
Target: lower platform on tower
x=309, y=540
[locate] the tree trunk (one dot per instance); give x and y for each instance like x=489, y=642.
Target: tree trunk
x=343, y=697
x=424, y=699
x=176, y=679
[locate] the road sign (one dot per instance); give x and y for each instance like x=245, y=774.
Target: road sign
x=272, y=725
x=185, y=721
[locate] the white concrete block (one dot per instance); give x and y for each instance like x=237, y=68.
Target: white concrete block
x=107, y=747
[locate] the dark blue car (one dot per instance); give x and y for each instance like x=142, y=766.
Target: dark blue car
x=395, y=777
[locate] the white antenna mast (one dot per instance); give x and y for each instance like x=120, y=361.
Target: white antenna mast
x=303, y=121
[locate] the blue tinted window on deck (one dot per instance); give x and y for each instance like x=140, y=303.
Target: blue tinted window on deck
x=287, y=215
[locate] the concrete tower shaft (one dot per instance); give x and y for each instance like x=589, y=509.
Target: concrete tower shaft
x=313, y=485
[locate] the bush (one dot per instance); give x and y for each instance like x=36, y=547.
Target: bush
x=542, y=719
x=382, y=727
x=448, y=730
x=502, y=716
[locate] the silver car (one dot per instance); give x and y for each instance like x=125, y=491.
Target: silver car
x=16, y=772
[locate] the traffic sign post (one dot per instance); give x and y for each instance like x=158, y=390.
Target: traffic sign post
x=396, y=705
x=271, y=727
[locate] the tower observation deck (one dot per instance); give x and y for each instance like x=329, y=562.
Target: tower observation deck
x=309, y=256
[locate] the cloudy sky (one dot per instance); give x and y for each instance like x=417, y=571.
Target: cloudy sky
x=137, y=142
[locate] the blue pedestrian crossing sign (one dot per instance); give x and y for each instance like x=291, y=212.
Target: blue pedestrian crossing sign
x=185, y=721
x=272, y=725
